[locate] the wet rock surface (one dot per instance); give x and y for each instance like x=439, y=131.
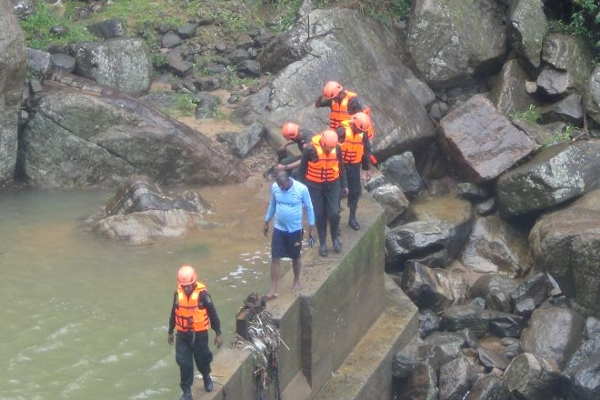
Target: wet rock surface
x=509, y=93
x=140, y=211
x=482, y=140
x=243, y=142
x=402, y=171
x=531, y=377
x=392, y=199
x=528, y=27
x=12, y=65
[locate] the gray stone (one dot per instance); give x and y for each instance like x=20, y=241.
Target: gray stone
x=482, y=140
x=392, y=199
x=508, y=93
x=553, y=333
x=13, y=66
x=568, y=110
x=177, y=65
x=490, y=283
x=491, y=359
x=123, y=64
x=239, y=55
x=553, y=82
x=402, y=171
x=543, y=135
x=582, y=370
x=64, y=62
x=97, y=136
x=405, y=359
x=592, y=328
x=494, y=246
x=23, y=8
x=536, y=287
x=489, y=387
x=249, y=68
x=207, y=105
x=512, y=350
x=472, y=191
x=429, y=322
x=265, y=38
x=525, y=307
x=499, y=301
x=528, y=27
x=244, y=41
x=531, y=377
x=566, y=243
x=170, y=40
x=345, y=44
x=39, y=64
x=187, y=31
x=140, y=211
x=592, y=95
x=486, y=207
x=434, y=289
x=35, y=86
x=555, y=175
x=220, y=47
x=506, y=325
x=59, y=30
x=161, y=100
x=242, y=143
x=471, y=317
x=571, y=54
x=442, y=224
x=421, y=384
x=449, y=40
x=456, y=377
x=108, y=29
x=214, y=68
x=376, y=182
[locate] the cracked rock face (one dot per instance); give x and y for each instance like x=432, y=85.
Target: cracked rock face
x=100, y=137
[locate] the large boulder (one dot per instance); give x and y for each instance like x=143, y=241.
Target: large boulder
x=441, y=225
x=528, y=29
x=495, y=246
x=508, y=91
x=592, y=97
x=360, y=54
x=123, y=64
x=553, y=333
x=450, y=40
x=141, y=211
x=555, y=175
x=582, y=370
x=402, y=171
x=12, y=67
x=482, y=140
x=531, y=377
x=98, y=136
x=242, y=143
x=566, y=243
x=489, y=387
x=456, y=378
x=568, y=110
x=393, y=201
x=571, y=54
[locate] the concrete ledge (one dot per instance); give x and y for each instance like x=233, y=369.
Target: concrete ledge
x=366, y=374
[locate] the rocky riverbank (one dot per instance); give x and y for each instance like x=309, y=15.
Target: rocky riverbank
x=486, y=129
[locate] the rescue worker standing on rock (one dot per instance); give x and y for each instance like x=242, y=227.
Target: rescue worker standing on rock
x=324, y=173
x=356, y=152
x=193, y=312
x=294, y=135
x=342, y=103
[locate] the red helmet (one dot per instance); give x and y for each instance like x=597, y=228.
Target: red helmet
x=332, y=89
x=186, y=276
x=329, y=139
x=290, y=131
x=362, y=121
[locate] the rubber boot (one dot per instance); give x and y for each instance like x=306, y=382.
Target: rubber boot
x=323, y=249
x=337, y=245
x=208, y=384
x=352, y=220
x=187, y=394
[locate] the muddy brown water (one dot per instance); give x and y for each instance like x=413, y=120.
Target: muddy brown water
x=86, y=318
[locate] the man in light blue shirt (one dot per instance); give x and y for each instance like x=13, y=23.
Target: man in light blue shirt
x=288, y=197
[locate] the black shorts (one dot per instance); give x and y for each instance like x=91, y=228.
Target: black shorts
x=286, y=244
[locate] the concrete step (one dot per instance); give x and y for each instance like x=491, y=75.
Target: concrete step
x=366, y=374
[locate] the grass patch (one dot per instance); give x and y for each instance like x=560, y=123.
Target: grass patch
x=385, y=12
x=530, y=115
x=186, y=105
x=37, y=28
x=562, y=137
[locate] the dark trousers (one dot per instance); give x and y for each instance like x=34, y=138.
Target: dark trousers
x=190, y=347
x=325, y=198
x=354, y=187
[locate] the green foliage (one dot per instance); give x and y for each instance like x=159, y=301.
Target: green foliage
x=37, y=28
x=385, y=12
x=566, y=135
x=531, y=115
x=234, y=81
x=289, y=10
x=159, y=60
x=584, y=21
x=186, y=104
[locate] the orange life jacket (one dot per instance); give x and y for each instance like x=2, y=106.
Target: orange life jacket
x=189, y=317
x=326, y=168
x=353, y=148
x=339, y=110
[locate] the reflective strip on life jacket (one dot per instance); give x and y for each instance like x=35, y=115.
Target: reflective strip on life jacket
x=326, y=168
x=339, y=110
x=189, y=317
x=353, y=147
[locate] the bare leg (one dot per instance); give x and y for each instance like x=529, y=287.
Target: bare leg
x=275, y=262
x=296, y=267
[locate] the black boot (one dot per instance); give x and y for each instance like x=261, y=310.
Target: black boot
x=323, y=249
x=187, y=394
x=352, y=220
x=208, y=384
x=337, y=245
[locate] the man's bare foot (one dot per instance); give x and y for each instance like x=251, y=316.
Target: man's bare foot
x=296, y=287
x=270, y=296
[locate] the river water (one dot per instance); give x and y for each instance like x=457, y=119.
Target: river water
x=85, y=318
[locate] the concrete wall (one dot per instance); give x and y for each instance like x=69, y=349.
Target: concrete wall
x=342, y=297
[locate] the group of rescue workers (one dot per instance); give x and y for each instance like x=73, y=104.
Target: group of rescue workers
x=328, y=169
